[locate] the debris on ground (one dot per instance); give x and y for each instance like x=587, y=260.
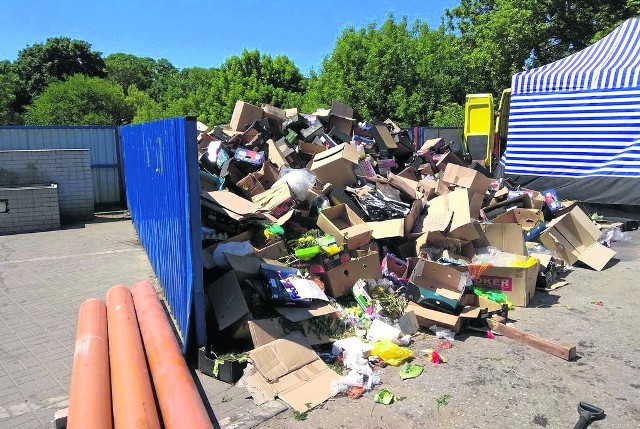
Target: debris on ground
x=330, y=245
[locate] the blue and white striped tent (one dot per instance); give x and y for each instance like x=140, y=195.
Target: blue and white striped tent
x=574, y=124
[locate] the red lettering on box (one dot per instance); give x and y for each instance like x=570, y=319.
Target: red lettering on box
x=504, y=284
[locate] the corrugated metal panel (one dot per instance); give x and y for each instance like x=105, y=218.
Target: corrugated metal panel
x=449, y=134
x=161, y=177
x=102, y=142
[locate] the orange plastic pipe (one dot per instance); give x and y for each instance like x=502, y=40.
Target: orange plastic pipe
x=133, y=402
x=180, y=402
x=90, y=401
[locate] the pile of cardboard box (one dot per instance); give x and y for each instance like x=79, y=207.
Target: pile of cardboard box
x=360, y=195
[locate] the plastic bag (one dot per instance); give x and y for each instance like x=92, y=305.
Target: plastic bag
x=611, y=235
x=492, y=256
x=299, y=180
x=391, y=353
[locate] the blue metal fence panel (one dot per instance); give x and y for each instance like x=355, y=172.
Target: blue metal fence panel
x=102, y=142
x=161, y=177
x=449, y=134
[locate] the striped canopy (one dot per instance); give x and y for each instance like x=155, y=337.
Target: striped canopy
x=611, y=63
x=580, y=116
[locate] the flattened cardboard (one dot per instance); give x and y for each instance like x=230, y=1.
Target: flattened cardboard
x=264, y=331
x=243, y=114
x=428, y=318
x=408, y=186
x=433, y=222
x=466, y=178
x=232, y=205
x=290, y=369
x=275, y=155
x=227, y=300
x=335, y=165
x=383, y=137
x=430, y=143
x=341, y=109
x=272, y=251
x=507, y=237
x=428, y=188
x=339, y=280
x=574, y=236
x=438, y=278
x=347, y=227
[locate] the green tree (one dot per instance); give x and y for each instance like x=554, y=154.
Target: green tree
x=397, y=70
x=500, y=37
x=449, y=115
x=127, y=70
x=163, y=73
x=80, y=100
x=57, y=59
x=145, y=107
x=8, y=87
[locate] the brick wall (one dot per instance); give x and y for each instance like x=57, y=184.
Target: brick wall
x=29, y=209
x=69, y=168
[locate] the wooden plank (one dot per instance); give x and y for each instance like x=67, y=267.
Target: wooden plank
x=563, y=351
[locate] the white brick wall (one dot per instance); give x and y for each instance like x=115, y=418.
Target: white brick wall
x=69, y=168
x=30, y=209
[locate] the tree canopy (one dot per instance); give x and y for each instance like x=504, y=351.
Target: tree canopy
x=80, y=100
x=408, y=71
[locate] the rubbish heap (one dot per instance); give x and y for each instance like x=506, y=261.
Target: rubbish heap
x=327, y=241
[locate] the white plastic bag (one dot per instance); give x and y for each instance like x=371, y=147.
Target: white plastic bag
x=300, y=180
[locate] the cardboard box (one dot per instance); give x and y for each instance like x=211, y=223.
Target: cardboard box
x=243, y=114
x=335, y=165
x=265, y=331
x=347, y=227
x=466, y=178
x=452, y=246
x=428, y=318
x=526, y=218
x=397, y=227
x=438, y=278
x=290, y=369
x=272, y=251
x=227, y=300
x=463, y=204
x=339, y=280
x=273, y=112
x=519, y=284
x=507, y=237
x=575, y=237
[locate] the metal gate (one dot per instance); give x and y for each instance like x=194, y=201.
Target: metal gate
x=102, y=142
x=161, y=176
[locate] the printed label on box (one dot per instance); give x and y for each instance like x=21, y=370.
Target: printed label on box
x=504, y=284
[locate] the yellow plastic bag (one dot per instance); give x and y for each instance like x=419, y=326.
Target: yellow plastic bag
x=391, y=353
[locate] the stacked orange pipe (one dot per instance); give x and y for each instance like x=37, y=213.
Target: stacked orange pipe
x=133, y=402
x=178, y=397
x=90, y=399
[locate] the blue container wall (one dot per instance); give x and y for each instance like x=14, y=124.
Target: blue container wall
x=449, y=134
x=162, y=183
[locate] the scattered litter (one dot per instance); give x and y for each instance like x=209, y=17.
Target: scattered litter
x=410, y=370
x=384, y=396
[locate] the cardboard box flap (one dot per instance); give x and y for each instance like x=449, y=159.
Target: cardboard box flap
x=341, y=109
x=227, y=300
x=283, y=356
x=311, y=386
x=387, y=228
x=467, y=178
x=438, y=278
x=231, y=204
x=507, y=237
x=298, y=314
x=344, y=150
x=526, y=218
x=428, y=318
x=433, y=222
x=596, y=256
x=384, y=134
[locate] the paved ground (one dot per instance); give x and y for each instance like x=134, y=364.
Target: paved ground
x=490, y=383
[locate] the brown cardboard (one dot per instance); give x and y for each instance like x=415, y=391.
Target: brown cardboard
x=428, y=318
x=339, y=281
x=265, y=331
x=272, y=251
x=394, y=128
x=275, y=155
x=291, y=112
x=298, y=314
x=397, y=227
x=408, y=186
x=433, y=222
x=273, y=112
x=438, y=278
x=466, y=178
x=526, y=218
x=507, y=237
x=346, y=226
x=290, y=369
x=335, y=165
x=243, y=114
x=274, y=197
x=385, y=135
x=227, y=300
x=430, y=143
x=341, y=109
x=448, y=158
x=461, y=202
x=575, y=237
x=311, y=148
x=435, y=239
x=519, y=284
x=230, y=204
x=428, y=188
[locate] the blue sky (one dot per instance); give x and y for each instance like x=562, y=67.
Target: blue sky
x=199, y=32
